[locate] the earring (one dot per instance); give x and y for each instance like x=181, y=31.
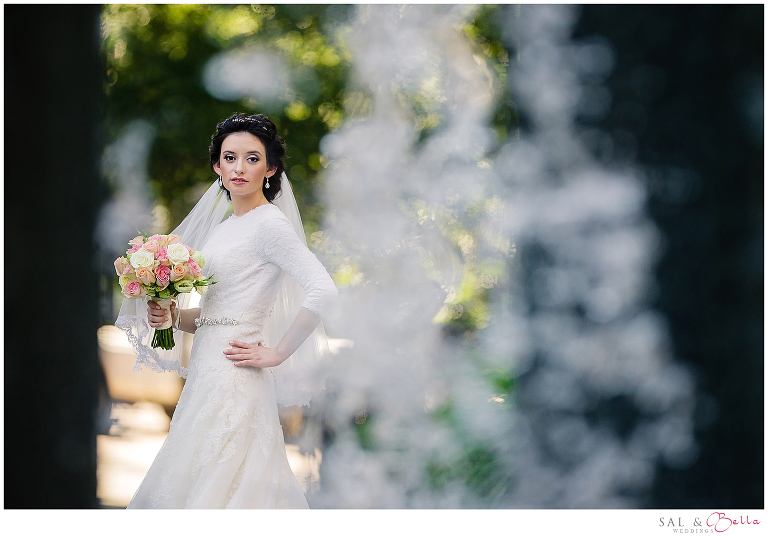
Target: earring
x=266, y=185
x=221, y=183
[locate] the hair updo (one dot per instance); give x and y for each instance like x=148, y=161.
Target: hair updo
x=259, y=126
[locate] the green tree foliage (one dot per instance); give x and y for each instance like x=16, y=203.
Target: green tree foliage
x=155, y=58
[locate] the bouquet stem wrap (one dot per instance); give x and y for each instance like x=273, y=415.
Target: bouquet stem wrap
x=164, y=334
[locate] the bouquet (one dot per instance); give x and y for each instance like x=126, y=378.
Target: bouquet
x=162, y=268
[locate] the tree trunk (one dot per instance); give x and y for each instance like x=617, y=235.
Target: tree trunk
x=53, y=96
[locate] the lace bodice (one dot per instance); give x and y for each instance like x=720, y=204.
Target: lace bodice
x=246, y=256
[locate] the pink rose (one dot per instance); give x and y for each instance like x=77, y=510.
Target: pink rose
x=133, y=289
x=128, y=270
x=163, y=275
x=138, y=241
x=173, y=238
x=161, y=240
x=145, y=275
x=194, y=269
x=178, y=272
x=133, y=249
x=152, y=246
x=162, y=256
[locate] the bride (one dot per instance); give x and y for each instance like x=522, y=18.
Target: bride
x=257, y=334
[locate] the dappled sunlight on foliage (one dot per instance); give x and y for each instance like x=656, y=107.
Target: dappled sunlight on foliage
x=156, y=54
x=155, y=58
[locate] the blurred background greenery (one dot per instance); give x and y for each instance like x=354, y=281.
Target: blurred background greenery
x=156, y=56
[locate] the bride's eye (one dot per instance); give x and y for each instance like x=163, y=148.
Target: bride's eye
x=227, y=157
x=253, y=159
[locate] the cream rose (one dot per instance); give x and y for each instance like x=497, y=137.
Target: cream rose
x=198, y=257
x=142, y=259
x=178, y=272
x=138, y=241
x=152, y=246
x=145, y=275
x=121, y=264
x=177, y=254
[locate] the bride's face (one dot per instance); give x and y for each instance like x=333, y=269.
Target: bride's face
x=243, y=164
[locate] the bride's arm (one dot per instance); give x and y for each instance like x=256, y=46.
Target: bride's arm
x=282, y=247
x=188, y=316
x=256, y=355
x=305, y=323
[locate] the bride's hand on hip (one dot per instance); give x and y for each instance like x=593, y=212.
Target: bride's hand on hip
x=252, y=355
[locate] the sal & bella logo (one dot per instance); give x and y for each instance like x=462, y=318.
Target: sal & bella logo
x=717, y=522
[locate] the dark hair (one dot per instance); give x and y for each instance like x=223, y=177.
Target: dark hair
x=259, y=126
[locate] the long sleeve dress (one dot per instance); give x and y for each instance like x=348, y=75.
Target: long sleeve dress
x=225, y=447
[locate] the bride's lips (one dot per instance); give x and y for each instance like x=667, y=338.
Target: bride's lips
x=239, y=181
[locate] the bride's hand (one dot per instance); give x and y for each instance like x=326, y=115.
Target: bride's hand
x=156, y=315
x=252, y=355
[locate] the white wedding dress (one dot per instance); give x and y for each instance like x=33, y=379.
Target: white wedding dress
x=225, y=447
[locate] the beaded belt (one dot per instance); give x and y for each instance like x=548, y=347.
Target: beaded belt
x=205, y=321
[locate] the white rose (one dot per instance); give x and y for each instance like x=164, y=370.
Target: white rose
x=198, y=257
x=142, y=259
x=201, y=289
x=177, y=254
